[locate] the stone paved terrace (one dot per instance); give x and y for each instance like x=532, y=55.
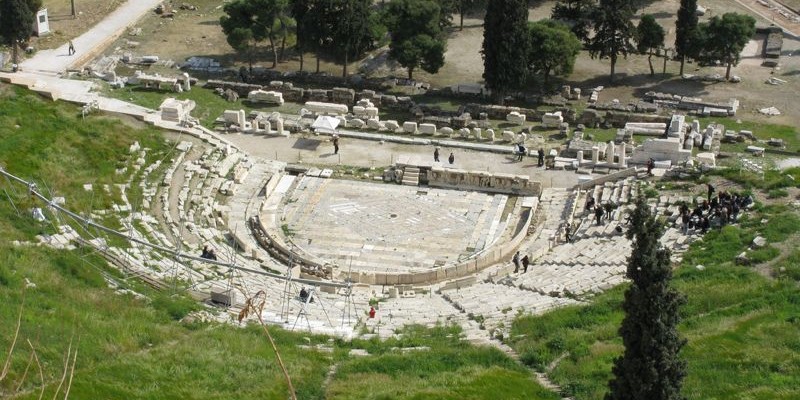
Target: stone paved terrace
x=390, y=228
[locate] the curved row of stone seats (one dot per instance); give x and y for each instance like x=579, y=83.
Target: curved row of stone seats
x=605, y=251
x=427, y=309
x=570, y=280
x=499, y=304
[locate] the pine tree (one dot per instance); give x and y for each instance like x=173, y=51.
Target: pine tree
x=685, y=28
x=505, y=46
x=613, y=31
x=649, y=368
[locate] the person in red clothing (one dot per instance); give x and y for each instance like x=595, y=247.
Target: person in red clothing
x=371, y=312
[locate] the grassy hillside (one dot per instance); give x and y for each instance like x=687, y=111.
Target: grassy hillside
x=742, y=327
x=129, y=339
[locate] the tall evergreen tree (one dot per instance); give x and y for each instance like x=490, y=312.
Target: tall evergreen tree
x=16, y=23
x=505, y=46
x=685, y=30
x=650, y=368
x=613, y=31
x=301, y=11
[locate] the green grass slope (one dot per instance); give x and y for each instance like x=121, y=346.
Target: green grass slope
x=742, y=328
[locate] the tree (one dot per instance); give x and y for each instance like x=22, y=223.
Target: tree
x=505, y=46
x=301, y=11
x=350, y=32
x=16, y=23
x=417, y=40
x=248, y=23
x=577, y=14
x=686, y=30
x=553, y=48
x=613, y=31
x=724, y=38
x=650, y=367
x=466, y=7
x=446, y=10
x=649, y=36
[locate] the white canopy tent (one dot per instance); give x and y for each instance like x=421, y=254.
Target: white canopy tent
x=324, y=124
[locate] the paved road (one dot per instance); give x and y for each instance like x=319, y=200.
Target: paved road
x=91, y=43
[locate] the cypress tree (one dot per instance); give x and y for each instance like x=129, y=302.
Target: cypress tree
x=685, y=27
x=505, y=45
x=649, y=368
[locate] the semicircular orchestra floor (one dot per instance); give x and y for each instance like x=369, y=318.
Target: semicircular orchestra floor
x=387, y=227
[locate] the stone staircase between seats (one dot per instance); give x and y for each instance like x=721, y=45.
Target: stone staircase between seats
x=411, y=176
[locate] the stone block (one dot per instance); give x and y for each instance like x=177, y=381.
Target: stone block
x=428, y=129
x=446, y=131
x=516, y=118
x=552, y=120
x=264, y=96
x=391, y=125
x=409, y=127
x=356, y=123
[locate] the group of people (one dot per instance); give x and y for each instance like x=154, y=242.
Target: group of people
x=601, y=211
x=451, y=159
x=524, y=262
x=521, y=151
x=719, y=210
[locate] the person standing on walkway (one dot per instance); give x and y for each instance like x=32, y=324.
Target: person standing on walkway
x=71, y=49
x=541, y=156
x=525, y=263
x=452, y=158
x=710, y=191
x=436, y=154
x=335, y=143
x=515, y=260
x=521, y=152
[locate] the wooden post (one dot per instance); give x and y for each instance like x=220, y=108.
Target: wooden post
x=72, y=4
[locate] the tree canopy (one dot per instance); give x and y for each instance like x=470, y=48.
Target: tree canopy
x=724, y=38
x=577, y=14
x=553, y=48
x=16, y=22
x=613, y=31
x=686, y=30
x=649, y=37
x=505, y=46
x=650, y=367
x=248, y=23
x=351, y=34
x=417, y=40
